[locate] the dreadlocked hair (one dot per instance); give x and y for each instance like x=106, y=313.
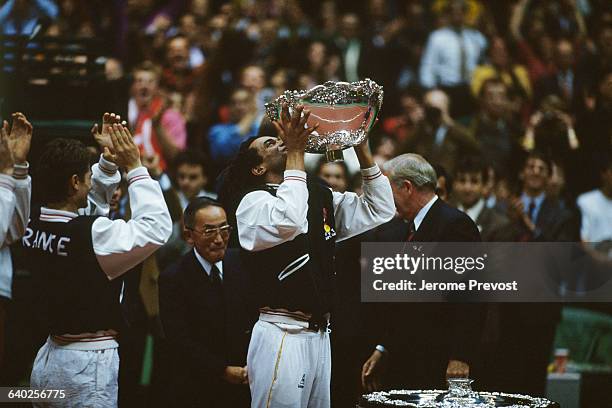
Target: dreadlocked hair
x=236, y=179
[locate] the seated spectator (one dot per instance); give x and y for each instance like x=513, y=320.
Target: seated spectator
x=205, y=318
x=335, y=174
x=158, y=129
x=225, y=138
x=471, y=176
x=438, y=137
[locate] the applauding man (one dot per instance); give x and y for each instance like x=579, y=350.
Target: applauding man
x=15, y=191
x=79, y=259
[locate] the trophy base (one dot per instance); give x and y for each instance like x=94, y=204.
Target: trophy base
x=334, y=155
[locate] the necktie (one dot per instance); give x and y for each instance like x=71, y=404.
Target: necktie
x=215, y=276
x=411, y=232
x=462, y=58
x=531, y=210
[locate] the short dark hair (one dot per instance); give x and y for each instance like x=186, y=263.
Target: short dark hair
x=236, y=179
x=323, y=161
x=61, y=159
x=191, y=157
x=472, y=165
x=490, y=82
x=195, y=205
x=539, y=155
x=441, y=172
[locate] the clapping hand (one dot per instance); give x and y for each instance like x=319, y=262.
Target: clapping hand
x=6, y=156
x=124, y=151
x=103, y=137
x=19, y=137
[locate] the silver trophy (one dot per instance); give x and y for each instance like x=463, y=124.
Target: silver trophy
x=344, y=111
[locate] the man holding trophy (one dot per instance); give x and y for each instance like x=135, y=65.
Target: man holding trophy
x=288, y=224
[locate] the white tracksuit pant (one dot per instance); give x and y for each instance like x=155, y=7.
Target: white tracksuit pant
x=288, y=366
x=87, y=371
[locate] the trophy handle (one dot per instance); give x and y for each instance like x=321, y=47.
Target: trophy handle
x=334, y=154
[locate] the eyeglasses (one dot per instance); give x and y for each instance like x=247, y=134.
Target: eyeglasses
x=223, y=230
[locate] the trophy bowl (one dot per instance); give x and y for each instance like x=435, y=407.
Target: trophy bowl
x=344, y=111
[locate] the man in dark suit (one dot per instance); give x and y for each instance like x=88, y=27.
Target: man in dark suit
x=469, y=181
x=206, y=321
x=425, y=341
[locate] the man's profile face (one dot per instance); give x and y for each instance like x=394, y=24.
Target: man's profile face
x=273, y=152
x=211, y=246
x=401, y=197
x=468, y=188
x=535, y=174
x=190, y=179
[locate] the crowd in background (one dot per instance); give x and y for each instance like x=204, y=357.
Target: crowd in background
x=511, y=101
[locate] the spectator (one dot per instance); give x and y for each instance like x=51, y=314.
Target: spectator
x=500, y=65
x=541, y=218
x=253, y=79
x=190, y=180
x=335, y=174
x=596, y=207
x=471, y=176
x=403, y=126
x=565, y=83
x=438, y=137
x=444, y=183
x=178, y=75
x=224, y=138
x=158, y=129
x=494, y=128
x=450, y=57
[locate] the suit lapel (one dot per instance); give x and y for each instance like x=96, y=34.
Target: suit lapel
x=427, y=228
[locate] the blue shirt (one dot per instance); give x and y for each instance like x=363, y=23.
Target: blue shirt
x=224, y=140
x=538, y=205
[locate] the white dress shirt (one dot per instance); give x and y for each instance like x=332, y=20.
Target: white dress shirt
x=418, y=219
x=265, y=221
x=441, y=62
x=474, y=211
x=207, y=266
x=596, y=210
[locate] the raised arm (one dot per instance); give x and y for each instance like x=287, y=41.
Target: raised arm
x=19, y=139
x=356, y=214
x=265, y=220
x=121, y=245
x=105, y=176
